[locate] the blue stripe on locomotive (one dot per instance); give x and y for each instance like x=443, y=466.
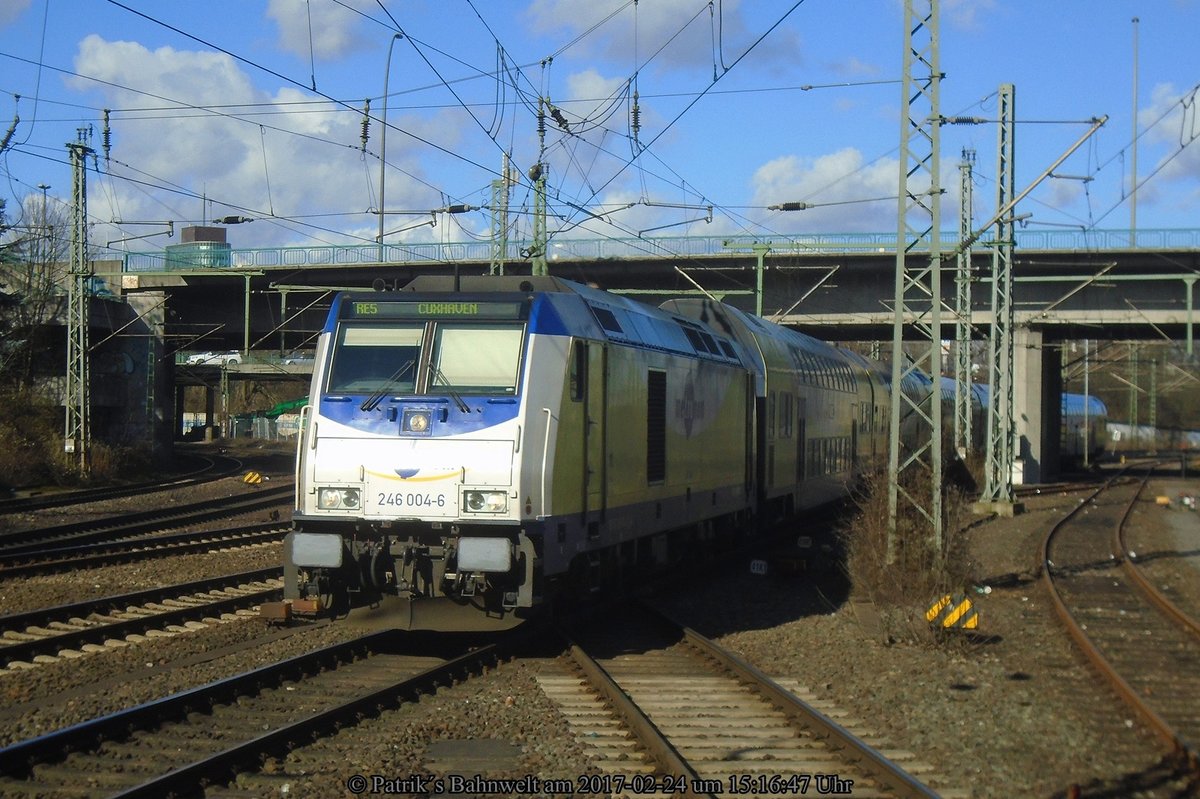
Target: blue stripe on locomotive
x=550, y=314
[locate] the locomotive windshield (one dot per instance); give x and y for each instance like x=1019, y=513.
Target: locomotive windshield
x=477, y=359
x=430, y=357
x=376, y=358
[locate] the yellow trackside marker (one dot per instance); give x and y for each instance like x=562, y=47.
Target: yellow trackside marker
x=953, y=611
x=252, y=478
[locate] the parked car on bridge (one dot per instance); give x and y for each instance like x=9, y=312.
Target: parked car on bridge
x=215, y=358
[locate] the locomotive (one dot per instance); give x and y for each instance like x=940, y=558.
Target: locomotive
x=476, y=448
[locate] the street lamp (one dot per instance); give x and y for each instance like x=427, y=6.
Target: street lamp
x=383, y=141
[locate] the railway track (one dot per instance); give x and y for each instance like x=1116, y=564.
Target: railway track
x=1144, y=647
x=79, y=628
x=214, y=467
x=71, y=557
x=666, y=710
x=139, y=523
x=208, y=735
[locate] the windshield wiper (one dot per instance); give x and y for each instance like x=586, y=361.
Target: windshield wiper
x=370, y=403
x=438, y=374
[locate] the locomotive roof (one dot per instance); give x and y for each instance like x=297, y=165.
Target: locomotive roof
x=526, y=284
x=567, y=307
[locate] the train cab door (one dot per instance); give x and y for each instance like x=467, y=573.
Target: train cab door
x=595, y=435
x=801, y=435
x=854, y=442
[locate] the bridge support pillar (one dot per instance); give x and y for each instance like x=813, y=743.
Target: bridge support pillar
x=1037, y=401
x=210, y=411
x=177, y=414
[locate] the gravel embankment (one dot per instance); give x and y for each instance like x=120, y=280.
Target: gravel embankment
x=1012, y=711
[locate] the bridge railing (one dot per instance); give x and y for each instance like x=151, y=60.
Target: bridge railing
x=657, y=247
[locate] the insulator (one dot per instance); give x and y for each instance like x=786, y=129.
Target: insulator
x=9, y=133
x=107, y=138
x=637, y=116
x=366, y=124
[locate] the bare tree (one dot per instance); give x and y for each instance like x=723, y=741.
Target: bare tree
x=34, y=255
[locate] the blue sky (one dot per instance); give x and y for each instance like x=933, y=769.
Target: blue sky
x=741, y=105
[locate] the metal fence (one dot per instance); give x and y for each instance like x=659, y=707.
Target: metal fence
x=663, y=247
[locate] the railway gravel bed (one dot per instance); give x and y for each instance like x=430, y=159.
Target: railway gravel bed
x=60, y=694
x=712, y=722
x=1012, y=712
x=274, y=462
x=1152, y=660
x=22, y=594
x=200, y=726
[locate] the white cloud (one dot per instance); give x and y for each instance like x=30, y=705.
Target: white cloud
x=1175, y=140
x=594, y=101
x=591, y=85
x=11, y=9
x=838, y=184
x=854, y=68
x=305, y=161
x=968, y=14
x=333, y=29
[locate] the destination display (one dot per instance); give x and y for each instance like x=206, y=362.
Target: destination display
x=432, y=309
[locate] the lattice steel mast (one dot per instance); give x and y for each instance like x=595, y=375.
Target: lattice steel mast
x=963, y=434
x=499, y=204
x=77, y=399
x=915, y=476
x=1001, y=433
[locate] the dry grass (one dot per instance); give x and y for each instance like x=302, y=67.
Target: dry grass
x=31, y=448
x=920, y=570
x=31, y=442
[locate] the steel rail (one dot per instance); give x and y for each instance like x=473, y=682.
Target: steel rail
x=1129, y=563
x=878, y=767
x=1127, y=693
x=132, y=524
x=195, y=477
x=79, y=556
x=226, y=763
x=17, y=760
x=665, y=756
x=67, y=639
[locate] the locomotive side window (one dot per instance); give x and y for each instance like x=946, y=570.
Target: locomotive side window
x=479, y=359
x=656, y=426
x=376, y=358
x=578, y=374
x=694, y=338
x=607, y=319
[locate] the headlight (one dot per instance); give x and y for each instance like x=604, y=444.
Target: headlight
x=334, y=498
x=485, y=501
x=416, y=421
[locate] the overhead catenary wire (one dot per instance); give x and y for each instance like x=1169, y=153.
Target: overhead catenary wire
x=588, y=168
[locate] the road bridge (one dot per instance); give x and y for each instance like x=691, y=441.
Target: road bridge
x=1068, y=285
x=1073, y=283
